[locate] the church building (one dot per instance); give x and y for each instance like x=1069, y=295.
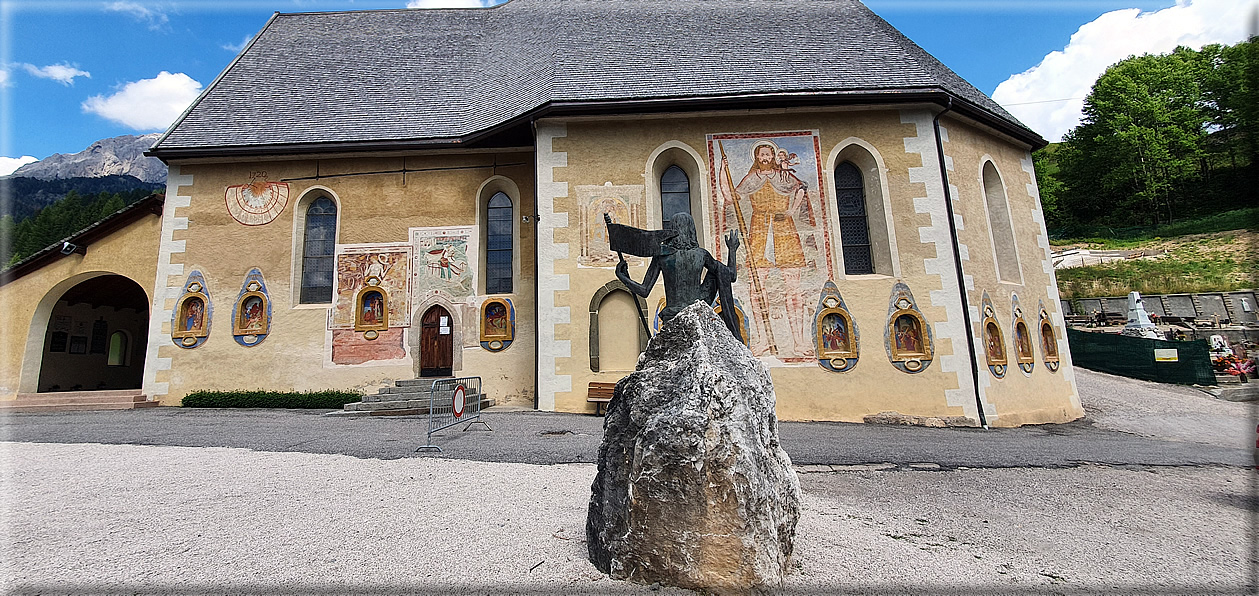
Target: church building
x=363, y=197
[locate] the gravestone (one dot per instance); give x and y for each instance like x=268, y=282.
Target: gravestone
x=1139, y=324
x=1154, y=305
x=1211, y=306
x=1115, y=305
x=1089, y=306
x=1180, y=305
x=693, y=488
x=1245, y=308
x=1066, y=307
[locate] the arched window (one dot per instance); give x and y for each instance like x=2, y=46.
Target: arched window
x=117, y=349
x=1007, y=257
x=498, y=245
x=854, y=227
x=675, y=195
x=317, y=251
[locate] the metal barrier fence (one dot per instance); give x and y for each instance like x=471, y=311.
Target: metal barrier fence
x=1184, y=362
x=451, y=402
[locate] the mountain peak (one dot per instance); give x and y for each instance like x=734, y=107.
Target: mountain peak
x=122, y=155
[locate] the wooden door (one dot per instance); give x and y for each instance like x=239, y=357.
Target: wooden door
x=437, y=353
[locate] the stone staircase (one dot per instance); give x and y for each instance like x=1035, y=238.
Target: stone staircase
x=62, y=401
x=407, y=397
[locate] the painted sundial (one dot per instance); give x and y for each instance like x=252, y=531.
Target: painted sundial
x=258, y=202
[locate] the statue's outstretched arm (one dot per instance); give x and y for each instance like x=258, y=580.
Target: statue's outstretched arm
x=649, y=280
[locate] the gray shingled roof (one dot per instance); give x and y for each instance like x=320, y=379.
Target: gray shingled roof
x=430, y=75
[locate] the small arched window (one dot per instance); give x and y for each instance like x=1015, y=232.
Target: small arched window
x=675, y=195
x=854, y=227
x=498, y=245
x=117, y=349
x=317, y=251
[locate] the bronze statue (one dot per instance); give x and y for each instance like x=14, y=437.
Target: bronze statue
x=690, y=272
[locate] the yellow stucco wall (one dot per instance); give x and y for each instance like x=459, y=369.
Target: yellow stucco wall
x=28, y=301
x=377, y=203
x=617, y=153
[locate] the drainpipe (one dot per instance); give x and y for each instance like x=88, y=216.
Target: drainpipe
x=537, y=270
x=957, y=261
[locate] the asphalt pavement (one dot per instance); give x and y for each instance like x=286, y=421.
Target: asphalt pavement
x=1128, y=423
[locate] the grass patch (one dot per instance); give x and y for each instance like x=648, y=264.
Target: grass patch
x=1120, y=238
x=319, y=400
x=1180, y=271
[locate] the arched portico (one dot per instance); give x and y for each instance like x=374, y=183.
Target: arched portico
x=71, y=342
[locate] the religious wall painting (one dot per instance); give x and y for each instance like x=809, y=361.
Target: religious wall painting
x=994, y=339
x=1023, y=353
x=376, y=276
x=624, y=204
x=769, y=187
x=444, y=259
x=1048, y=339
x=907, y=335
x=371, y=309
x=257, y=202
x=835, y=332
x=655, y=319
x=190, y=320
x=251, y=322
x=498, y=324
x=740, y=317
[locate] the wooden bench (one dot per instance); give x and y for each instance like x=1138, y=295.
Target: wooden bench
x=600, y=394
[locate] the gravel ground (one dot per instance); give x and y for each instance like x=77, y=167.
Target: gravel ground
x=144, y=519
x=121, y=518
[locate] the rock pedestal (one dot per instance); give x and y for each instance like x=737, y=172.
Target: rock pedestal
x=693, y=489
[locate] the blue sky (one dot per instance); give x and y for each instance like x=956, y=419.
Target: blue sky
x=74, y=71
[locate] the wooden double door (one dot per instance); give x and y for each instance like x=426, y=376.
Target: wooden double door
x=437, y=348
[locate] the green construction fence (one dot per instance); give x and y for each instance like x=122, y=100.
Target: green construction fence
x=1182, y=362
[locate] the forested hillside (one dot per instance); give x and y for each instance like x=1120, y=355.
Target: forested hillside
x=59, y=220
x=29, y=195
x=1164, y=138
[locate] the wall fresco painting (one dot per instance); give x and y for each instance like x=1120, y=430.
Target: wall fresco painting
x=257, y=203
x=994, y=339
x=190, y=320
x=835, y=332
x=1048, y=339
x=907, y=336
x=444, y=261
x=498, y=324
x=251, y=321
x=768, y=186
x=1023, y=353
x=385, y=267
x=624, y=203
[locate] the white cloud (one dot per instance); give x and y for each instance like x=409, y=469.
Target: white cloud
x=155, y=18
x=9, y=164
x=237, y=47
x=4, y=78
x=62, y=73
x=148, y=104
x=1035, y=96
x=450, y=3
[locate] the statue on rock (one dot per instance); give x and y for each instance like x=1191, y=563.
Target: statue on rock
x=690, y=272
x=693, y=489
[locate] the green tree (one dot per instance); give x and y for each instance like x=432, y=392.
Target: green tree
x=1044, y=162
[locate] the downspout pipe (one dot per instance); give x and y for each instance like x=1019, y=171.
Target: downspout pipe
x=957, y=261
x=537, y=269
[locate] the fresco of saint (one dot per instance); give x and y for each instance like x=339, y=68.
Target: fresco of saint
x=834, y=334
x=908, y=336
x=193, y=313
x=252, y=313
x=496, y=319
x=774, y=207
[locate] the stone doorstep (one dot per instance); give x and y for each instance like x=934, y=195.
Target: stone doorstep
x=401, y=396
x=71, y=407
x=52, y=397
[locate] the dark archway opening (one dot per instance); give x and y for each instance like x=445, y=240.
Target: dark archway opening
x=97, y=337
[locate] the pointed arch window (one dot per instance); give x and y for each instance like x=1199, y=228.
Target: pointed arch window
x=498, y=245
x=675, y=195
x=318, y=244
x=854, y=225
